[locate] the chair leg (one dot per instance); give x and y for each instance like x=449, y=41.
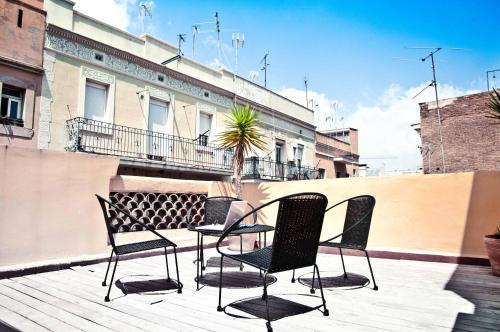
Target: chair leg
x=241, y=251
x=343, y=266
x=266, y=298
x=375, y=287
x=107, y=270
x=325, y=312
x=312, y=284
x=179, y=283
x=293, y=276
x=219, y=307
x=166, y=263
x=202, y=257
x=106, y=298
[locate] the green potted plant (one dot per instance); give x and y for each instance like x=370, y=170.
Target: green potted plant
x=492, y=243
x=244, y=136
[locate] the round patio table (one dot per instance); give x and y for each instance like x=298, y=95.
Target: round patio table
x=255, y=228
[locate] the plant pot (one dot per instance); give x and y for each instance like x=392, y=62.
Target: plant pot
x=493, y=249
x=248, y=242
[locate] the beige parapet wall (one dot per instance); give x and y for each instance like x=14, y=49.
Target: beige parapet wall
x=428, y=214
x=48, y=210
x=49, y=215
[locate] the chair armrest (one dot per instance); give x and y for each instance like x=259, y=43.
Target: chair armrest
x=149, y=228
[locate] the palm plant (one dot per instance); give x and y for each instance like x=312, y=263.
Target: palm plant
x=244, y=136
x=494, y=106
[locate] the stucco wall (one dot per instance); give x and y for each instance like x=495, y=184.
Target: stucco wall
x=434, y=214
x=47, y=205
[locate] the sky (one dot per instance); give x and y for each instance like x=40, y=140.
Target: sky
x=355, y=54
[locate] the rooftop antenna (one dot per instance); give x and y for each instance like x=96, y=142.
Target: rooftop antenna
x=217, y=29
x=434, y=84
x=180, y=39
x=306, y=86
x=253, y=75
x=238, y=40
x=145, y=9
x=264, y=61
x=493, y=77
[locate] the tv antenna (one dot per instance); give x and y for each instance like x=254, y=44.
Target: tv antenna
x=264, y=61
x=306, y=83
x=434, y=84
x=253, y=76
x=180, y=39
x=145, y=9
x=238, y=40
x=493, y=77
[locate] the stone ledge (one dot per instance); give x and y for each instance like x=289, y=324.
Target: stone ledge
x=13, y=131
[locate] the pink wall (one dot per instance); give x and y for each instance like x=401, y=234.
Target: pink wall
x=47, y=206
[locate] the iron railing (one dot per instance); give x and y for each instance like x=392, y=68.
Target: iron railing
x=92, y=136
x=267, y=169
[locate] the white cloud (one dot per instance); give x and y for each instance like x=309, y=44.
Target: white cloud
x=384, y=126
x=118, y=13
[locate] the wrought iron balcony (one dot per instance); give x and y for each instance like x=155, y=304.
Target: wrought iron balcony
x=92, y=136
x=267, y=169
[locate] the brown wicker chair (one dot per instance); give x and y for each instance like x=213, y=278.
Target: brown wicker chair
x=161, y=242
x=295, y=244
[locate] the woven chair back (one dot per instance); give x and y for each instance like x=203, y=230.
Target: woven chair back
x=359, y=210
x=297, y=233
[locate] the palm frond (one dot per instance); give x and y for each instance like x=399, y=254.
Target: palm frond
x=494, y=105
x=242, y=134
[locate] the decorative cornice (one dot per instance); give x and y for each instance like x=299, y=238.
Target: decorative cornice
x=75, y=45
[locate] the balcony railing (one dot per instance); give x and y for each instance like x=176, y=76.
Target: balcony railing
x=267, y=169
x=92, y=136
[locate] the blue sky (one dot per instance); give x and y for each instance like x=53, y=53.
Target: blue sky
x=353, y=53
x=350, y=50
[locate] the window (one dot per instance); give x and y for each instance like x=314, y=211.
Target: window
x=12, y=105
x=20, y=18
x=161, y=78
x=96, y=96
x=278, y=153
x=299, y=155
x=205, y=127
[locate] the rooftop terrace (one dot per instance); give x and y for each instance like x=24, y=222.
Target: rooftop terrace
x=412, y=296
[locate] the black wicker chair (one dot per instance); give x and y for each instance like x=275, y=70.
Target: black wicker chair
x=295, y=244
x=129, y=248
x=355, y=232
x=216, y=210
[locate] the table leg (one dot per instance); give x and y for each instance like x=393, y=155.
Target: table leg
x=265, y=239
x=198, y=262
x=202, y=257
x=260, y=242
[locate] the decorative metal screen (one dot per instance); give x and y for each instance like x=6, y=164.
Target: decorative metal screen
x=158, y=210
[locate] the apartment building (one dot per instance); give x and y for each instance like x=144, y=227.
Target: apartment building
x=337, y=152
x=107, y=92
x=22, y=26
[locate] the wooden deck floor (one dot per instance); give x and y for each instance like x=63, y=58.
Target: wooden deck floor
x=412, y=296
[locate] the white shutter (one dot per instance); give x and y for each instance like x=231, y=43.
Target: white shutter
x=95, y=101
x=290, y=144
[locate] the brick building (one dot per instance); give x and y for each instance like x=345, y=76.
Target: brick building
x=22, y=26
x=471, y=141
